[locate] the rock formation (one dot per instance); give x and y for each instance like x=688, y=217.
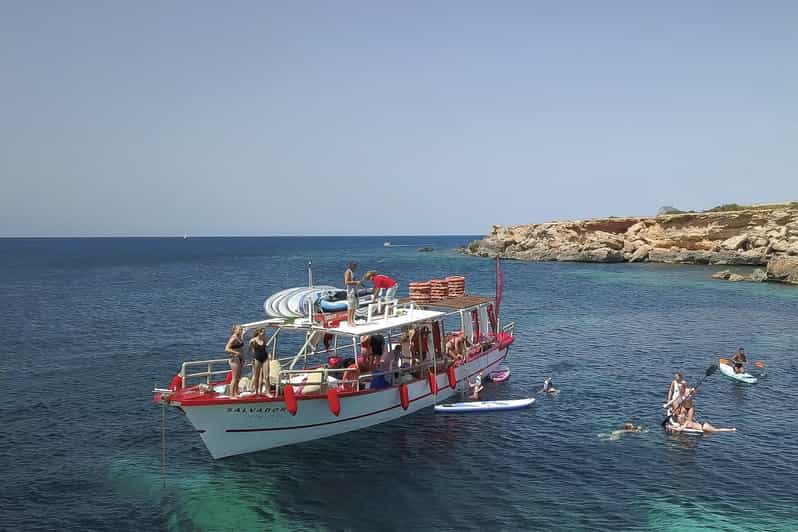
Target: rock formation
x=751, y=236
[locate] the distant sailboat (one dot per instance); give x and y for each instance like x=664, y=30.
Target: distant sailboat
x=185, y=236
x=387, y=243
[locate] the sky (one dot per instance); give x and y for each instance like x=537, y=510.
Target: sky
x=386, y=118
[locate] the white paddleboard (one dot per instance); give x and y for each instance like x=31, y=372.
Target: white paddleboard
x=728, y=372
x=484, y=406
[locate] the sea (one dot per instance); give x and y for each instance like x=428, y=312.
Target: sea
x=91, y=326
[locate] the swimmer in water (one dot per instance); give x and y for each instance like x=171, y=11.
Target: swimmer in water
x=476, y=387
x=616, y=434
x=548, y=387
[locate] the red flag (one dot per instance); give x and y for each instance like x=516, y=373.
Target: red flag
x=498, y=285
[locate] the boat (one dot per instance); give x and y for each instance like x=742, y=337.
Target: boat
x=728, y=372
x=484, y=406
x=314, y=396
x=387, y=243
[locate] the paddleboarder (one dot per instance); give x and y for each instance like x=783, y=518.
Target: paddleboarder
x=738, y=360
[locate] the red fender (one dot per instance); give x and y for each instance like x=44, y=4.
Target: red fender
x=433, y=382
x=333, y=402
x=452, y=378
x=290, y=399
x=177, y=383
x=229, y=378
x=404, y=396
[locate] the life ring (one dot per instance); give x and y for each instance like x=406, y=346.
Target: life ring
x=177, y=383
x=333, y=402
x=290, y=399
x=404, y=396
x=452, y=378
x=351, y=377
x=433, y=382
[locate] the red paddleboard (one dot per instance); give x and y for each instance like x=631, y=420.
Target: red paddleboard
x=500, y=374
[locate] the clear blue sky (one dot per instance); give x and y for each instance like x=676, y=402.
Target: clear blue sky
x=239, y=118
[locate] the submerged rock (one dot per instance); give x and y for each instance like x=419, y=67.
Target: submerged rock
x=759, y=276
x=725, y=274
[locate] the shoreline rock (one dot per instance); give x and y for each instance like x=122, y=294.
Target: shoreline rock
x=748, y=237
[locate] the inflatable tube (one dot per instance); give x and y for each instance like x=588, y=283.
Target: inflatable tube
x=333, y=306
x=452, y=378
x=290, y=399
x=433, y=382
x=404, y=396
x=333, y=402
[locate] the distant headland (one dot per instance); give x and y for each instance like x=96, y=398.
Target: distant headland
x=756, y=235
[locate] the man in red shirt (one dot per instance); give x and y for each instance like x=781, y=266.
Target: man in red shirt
x=384, y=286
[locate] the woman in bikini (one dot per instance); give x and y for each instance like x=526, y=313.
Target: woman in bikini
x=233, y=348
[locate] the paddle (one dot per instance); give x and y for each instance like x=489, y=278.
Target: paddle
x=709, y=371
x=758, y=363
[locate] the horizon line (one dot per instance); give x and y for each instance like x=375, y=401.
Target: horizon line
x=189, y=237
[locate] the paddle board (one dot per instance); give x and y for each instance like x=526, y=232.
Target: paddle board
x=500, y=374
x=484, y=406
x=694, y=432
x=728, y=372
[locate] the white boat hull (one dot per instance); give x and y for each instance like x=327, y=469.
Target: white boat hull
x=238, y=428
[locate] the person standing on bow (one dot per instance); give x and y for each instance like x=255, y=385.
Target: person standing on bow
x=384, y=286
x=233, y=348
x=351, y=292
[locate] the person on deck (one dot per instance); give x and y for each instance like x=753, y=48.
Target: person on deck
x=738, y=360
x=384, y=286
x=257, y=346
x=233, y=348
x=351, y=292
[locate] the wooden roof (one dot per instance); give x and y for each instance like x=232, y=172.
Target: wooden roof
x=457, y=303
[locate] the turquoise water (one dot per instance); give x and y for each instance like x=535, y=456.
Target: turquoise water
x=89, y=327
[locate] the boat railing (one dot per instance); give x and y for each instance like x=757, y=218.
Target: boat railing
x=509, y=328
x=207, y=365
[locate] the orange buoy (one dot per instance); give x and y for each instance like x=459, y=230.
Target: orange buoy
x=229, y=378
x=290, y=399
x=452, y=378
x=433, y=382
x=404, y=396
x=333, y=402
x=177, y=383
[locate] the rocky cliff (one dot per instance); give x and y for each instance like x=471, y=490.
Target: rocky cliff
x=744, y=237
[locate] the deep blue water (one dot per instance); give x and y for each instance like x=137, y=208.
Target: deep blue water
x=90, y=326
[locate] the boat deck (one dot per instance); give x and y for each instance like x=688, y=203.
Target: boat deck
x=454, y=303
